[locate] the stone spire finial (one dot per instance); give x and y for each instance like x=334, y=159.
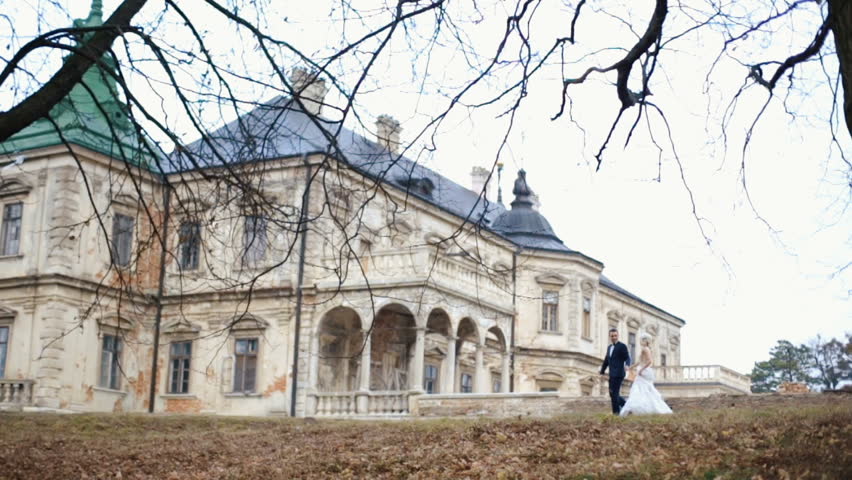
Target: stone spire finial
x=522, y=191
x=97, y=10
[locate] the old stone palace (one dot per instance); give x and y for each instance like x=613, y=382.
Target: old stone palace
x=307, y=271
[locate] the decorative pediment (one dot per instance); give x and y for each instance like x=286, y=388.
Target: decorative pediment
x=117, y=322
x=634, y=323
x=549, y=376
x=435, y=352
x=247, y=321
x=181, y=327
x=587, y=286
x=674, y=340
x=652, y=330
x=552, y=279
x=126, y=201
x=435, y=240
x=7, y=315
x=501, y=267
x=615, y=316
x=11, y=187
x=193, y=207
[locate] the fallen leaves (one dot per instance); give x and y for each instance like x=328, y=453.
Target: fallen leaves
x=790, y=442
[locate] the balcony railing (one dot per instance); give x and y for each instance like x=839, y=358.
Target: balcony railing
x=16, y=393
x=425, y=264
x=350, y=404
x=703, y=374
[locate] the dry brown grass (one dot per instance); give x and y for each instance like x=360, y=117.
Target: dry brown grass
x=805, y=442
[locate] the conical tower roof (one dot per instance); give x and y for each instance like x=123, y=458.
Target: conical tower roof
x=91, y=115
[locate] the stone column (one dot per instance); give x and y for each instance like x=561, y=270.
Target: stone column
x=449, y=383
x=504, y=374
x=417, y=364
x=363, y=395
x=479, y=382
x=313, y=375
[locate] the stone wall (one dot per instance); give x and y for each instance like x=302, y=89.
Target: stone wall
x=551, y=404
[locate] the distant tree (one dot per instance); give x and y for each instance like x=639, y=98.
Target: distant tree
x=829, y=362
x=787, y=363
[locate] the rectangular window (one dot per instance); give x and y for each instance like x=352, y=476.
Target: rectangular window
x=662, y=359
x=549, y=309
x=631, y=343
x=430, y=378
x=122, y=239
x=466, y=383
x=245, y=368
x=587, y=317
x=4, y=347
x=110, y=362
x=189, y=237
x=496, y=386
x=180, y=355
x=254, y=239
x=548, y=389
x=11, y=234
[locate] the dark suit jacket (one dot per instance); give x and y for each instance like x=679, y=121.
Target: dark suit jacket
x=616, y=360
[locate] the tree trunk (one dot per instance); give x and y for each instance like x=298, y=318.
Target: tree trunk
x=840, y=12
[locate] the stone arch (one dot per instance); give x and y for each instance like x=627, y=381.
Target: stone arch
x=340, y=340
x=392, y=338
x=468, y=341
x=495, y=360
x=439, y=339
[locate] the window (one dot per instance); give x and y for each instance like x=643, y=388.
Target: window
x=548, y=389
x=254, y=239
x=631, y=343
x=245, y=368
x=180, y=354
x=587, y=317
x=466, y=383
x=4, y=347
x=496, y=386
x=189, y=238
x=122, y=239
x=110, y=360
x=549, y=308
x=430, y=379
x=11, y=240
x=662, y=359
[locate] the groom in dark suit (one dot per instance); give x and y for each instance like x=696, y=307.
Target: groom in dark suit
x=616, y=358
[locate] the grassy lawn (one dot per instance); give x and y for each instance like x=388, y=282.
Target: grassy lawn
x=803, y=442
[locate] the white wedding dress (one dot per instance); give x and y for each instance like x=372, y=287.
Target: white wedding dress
x=644, y=399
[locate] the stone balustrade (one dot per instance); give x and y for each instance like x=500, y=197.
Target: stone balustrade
x=360, y=403
x=425, y=264
x=15, y=394
x=702, y=374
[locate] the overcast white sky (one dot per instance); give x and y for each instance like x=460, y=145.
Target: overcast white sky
x=752, y=286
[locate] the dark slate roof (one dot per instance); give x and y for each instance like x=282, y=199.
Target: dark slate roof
x=281, y=129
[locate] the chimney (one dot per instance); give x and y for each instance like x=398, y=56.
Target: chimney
x=387, y=133
x=309, y=88
x=478, y=179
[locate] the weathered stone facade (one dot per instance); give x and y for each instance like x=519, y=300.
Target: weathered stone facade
x=365, y=292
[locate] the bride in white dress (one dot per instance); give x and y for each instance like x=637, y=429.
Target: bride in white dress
x=644, y=398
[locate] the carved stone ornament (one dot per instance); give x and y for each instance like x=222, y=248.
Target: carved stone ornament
x=247, y=321
x=634, y=322
x=181, y=327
